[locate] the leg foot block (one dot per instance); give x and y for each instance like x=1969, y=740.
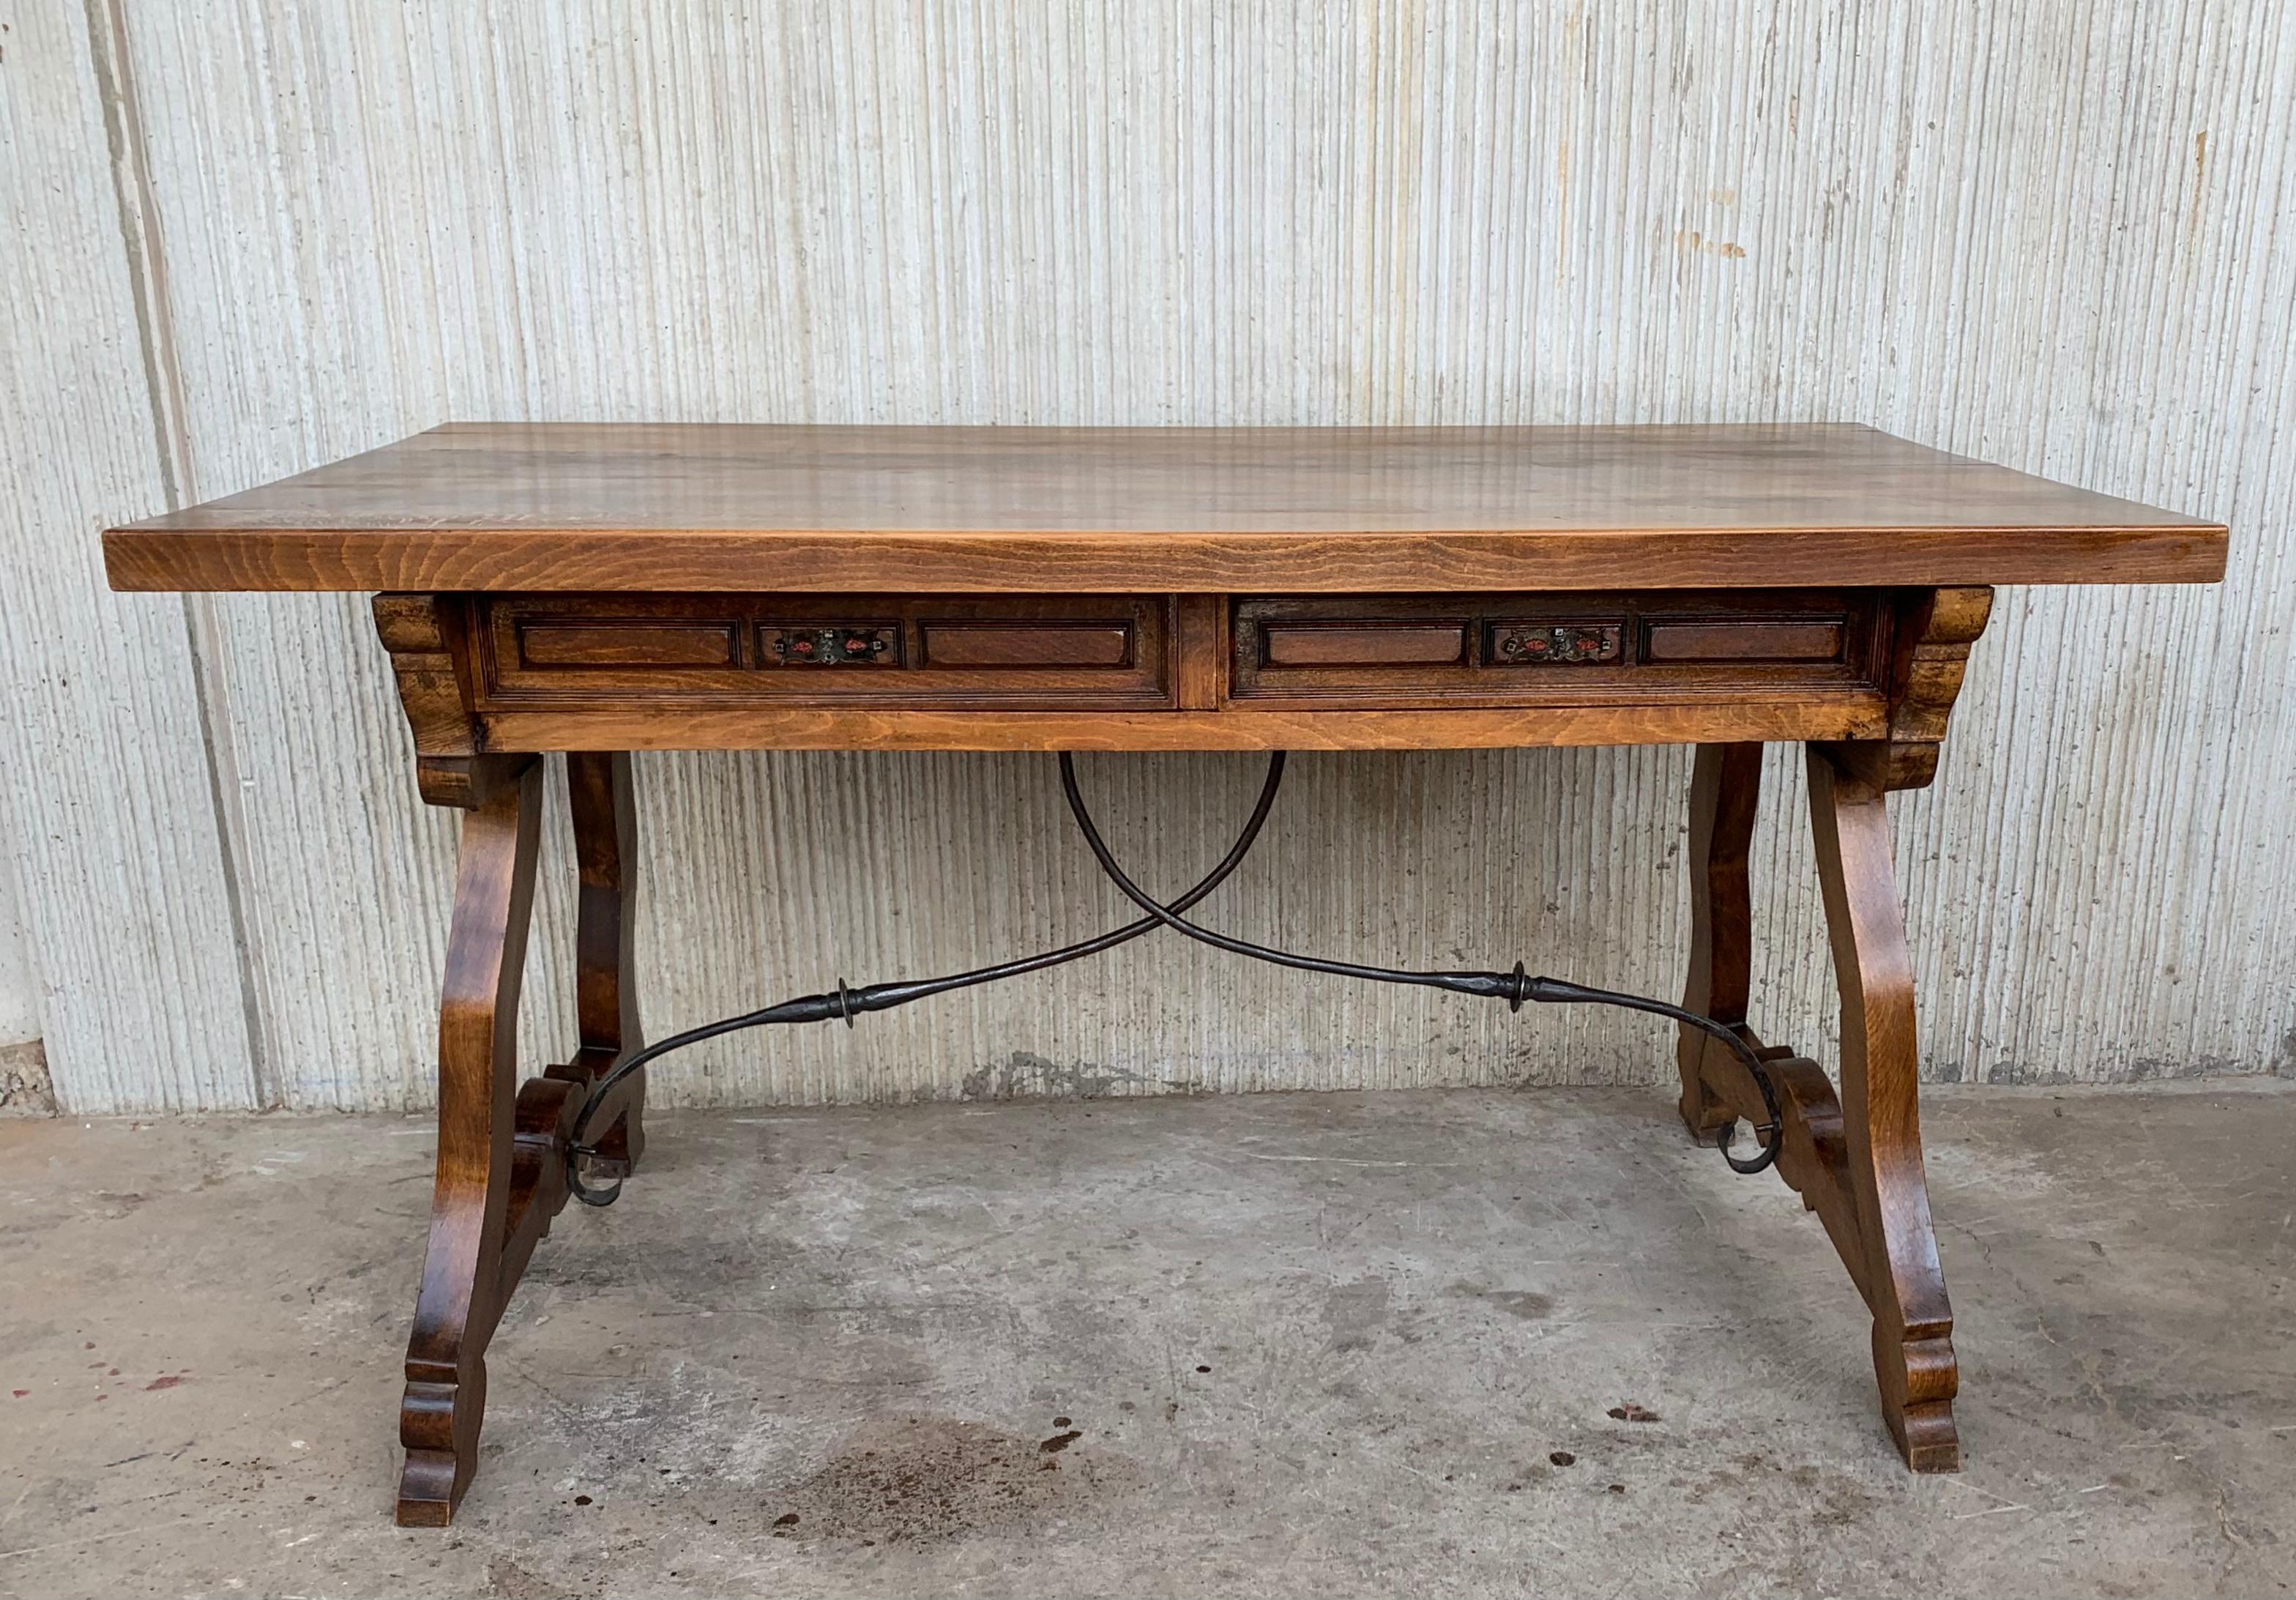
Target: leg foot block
x=1919, y=1379
x=438, y=1426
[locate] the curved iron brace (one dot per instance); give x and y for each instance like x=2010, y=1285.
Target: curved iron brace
x=846, y=1003
x=1514, y=988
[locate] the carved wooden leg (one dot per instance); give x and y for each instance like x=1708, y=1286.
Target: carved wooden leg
x=464, y=1280
x=1881, y=1123
x=502, y=1145
x=1856, y=1156
x=1725, y=790
x=605, y=842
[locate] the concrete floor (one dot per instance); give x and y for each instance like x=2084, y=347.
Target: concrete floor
x=1279, y=1345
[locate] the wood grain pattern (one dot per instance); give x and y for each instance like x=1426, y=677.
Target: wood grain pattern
x=1620, y=721
x=667, y=507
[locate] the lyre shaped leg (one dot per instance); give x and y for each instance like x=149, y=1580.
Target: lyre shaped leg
x=1725, y=790
x=605, y=845
x=463, y=1278
x=1855, y=1157
x=1880, y=1120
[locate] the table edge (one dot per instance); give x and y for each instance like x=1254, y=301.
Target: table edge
x=828, y=561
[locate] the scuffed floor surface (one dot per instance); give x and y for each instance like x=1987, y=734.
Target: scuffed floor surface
x=1450, y=1342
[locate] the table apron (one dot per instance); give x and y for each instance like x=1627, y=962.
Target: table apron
x=1835, y=715
x=489, y=677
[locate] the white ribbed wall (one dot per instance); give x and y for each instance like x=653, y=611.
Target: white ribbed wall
x=2058, y=235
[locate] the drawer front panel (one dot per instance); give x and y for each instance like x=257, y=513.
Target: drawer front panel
x=629, y=644
x=1318, y=644
x=1744, y=639
x=1374, y=652
x=951, y=651
x=1003, y=646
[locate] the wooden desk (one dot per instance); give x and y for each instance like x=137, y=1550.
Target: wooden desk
x=599, y=589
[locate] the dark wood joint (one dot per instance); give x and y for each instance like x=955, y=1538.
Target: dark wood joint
x=1200, y=651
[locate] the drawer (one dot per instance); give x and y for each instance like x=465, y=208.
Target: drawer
x=945, y=652
x=1371, y=651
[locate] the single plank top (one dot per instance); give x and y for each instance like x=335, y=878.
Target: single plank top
x=684, y=506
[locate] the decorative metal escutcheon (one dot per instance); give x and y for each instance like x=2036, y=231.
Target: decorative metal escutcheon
x=1574, y=643
x=831, y=647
